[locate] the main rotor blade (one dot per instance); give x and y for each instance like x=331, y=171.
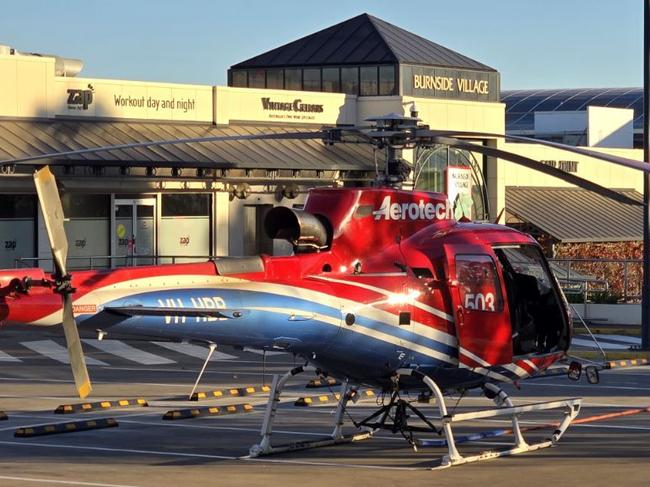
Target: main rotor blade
x=538, y=166
x=75, y=352
x=621, y=161
x=155, y=143
x=48, y=197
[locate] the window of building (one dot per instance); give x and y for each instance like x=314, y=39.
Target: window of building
x=293, y=79
x=430, y=175
x=478, y=283
x=350, y=80
x=256, y=78
x=275, y=79
x=239, y=78
x=368, y=81
x=386, y=80
x=87, y=228
x=17, y=228
x=311, y=79
x=183, y=204
x=185, y=226
x=331, y=82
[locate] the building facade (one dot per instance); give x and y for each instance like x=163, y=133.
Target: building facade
x=173, y=202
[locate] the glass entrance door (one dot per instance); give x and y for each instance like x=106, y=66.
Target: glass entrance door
x=135, y=232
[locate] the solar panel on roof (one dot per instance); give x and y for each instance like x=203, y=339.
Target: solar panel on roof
x=521, y=104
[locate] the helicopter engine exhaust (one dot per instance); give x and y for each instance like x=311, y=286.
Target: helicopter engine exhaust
x=305, y=231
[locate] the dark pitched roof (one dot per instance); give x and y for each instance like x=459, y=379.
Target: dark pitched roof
x=20, y=138
x=363, y=39
x=577, y=215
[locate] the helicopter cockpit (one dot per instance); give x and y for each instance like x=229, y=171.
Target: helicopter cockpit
x=538, y=324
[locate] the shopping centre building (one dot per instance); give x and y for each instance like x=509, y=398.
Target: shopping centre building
x=205, y=199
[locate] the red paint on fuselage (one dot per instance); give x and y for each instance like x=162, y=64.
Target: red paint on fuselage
x=387, y=251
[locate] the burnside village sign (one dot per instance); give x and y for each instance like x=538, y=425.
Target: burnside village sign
x=459, y=84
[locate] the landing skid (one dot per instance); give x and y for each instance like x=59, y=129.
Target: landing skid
x=336, y=438
x=505, y=407
x=379, y=420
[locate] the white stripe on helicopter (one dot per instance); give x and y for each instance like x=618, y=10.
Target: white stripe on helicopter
x=384, y=337
x=366, y=310
x=417, y=304
x=486, y=372
x=532, y=365
x=474, y=357
x=124, y=289
x=515, y=369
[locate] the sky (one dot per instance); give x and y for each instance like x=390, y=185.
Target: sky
x=532, y=43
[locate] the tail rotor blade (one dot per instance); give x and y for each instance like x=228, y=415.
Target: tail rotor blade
x=75, y=352
x=48, y=197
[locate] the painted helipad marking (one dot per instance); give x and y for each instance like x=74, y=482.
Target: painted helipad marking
x=64, y=482
x=588, y=386
x=621, y=338
x=128, y=352
x=605, y=345
x=194, y=350
x=54, y=351
x=269, y=371
x=261, y=352
x=244, y=430
x=214, y=457
x=5, y=357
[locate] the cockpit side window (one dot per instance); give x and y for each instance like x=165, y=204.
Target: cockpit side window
x=478, y=283
x=535, y=309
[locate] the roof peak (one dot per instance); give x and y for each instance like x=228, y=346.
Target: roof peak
x=362, y=40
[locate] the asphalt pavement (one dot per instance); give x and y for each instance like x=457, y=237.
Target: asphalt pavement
x=147, y=451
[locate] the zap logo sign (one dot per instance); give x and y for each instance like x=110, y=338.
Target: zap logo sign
x=80, y=99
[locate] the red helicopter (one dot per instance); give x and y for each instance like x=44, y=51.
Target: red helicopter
x=385, y=288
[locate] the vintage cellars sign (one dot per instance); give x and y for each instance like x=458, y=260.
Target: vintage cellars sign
x=291, y=106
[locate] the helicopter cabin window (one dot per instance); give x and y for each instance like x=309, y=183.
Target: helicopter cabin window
x=478, y=283
x=538, y=324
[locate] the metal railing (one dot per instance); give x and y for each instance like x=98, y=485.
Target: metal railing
x=600, y=280
x=110, y=261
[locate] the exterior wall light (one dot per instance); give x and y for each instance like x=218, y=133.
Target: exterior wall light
x=241, y=191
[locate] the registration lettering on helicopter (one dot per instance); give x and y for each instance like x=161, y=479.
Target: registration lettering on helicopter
x=413, y=211
x=197, y=302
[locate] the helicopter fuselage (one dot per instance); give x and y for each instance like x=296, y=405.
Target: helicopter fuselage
x=381, y=279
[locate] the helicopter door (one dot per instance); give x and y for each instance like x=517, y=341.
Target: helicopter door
x=482, y=324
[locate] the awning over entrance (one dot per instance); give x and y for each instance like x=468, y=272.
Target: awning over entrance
x=20, y=138
x=576, y=215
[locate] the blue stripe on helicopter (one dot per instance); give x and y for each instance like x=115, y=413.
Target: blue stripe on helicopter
x=232, y=299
